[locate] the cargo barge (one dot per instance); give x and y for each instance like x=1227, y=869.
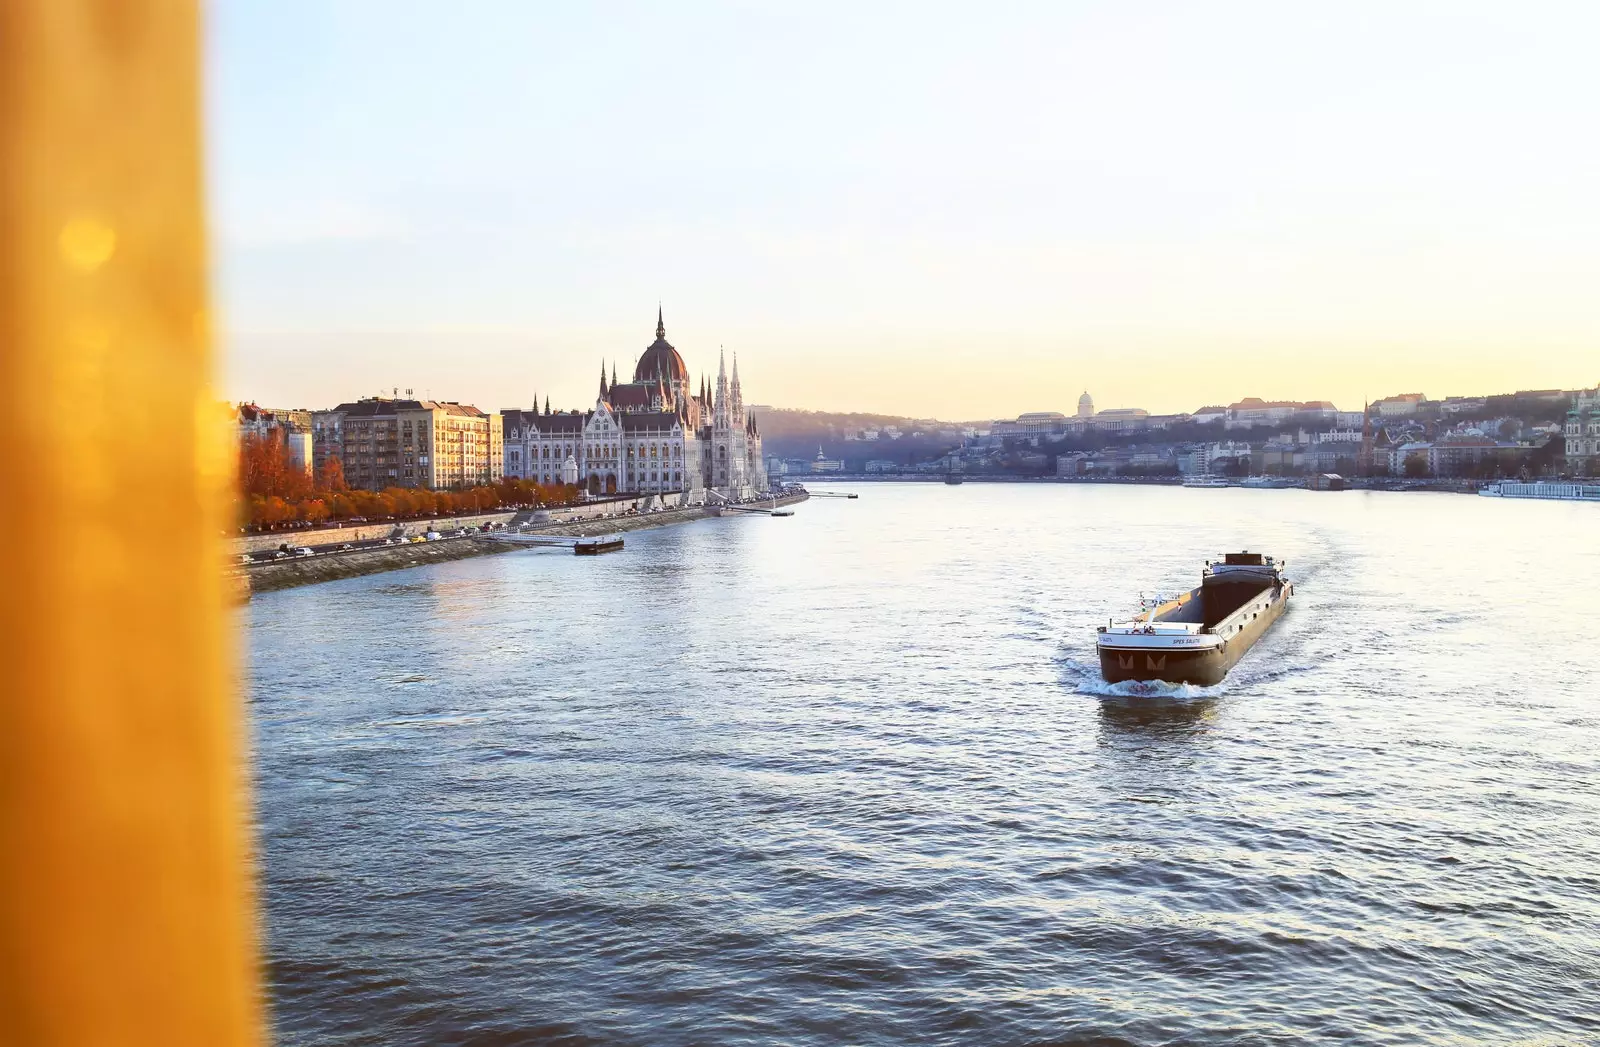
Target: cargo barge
x=1202, y=634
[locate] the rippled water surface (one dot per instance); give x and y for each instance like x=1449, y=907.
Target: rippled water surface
x=851, y=777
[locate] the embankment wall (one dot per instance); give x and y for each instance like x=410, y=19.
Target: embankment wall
x=315, y=538
x=286, y=574
x=320, y=536
x=296, y=571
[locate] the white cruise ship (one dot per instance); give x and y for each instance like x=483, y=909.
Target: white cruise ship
x=1555, y=492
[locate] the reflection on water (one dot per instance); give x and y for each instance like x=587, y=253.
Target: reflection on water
x=852, y=777
x=1157, y=716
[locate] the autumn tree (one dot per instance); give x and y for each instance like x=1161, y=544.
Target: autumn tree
x=330, y=477
x=267, y=468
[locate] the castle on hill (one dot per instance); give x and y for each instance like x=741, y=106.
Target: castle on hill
x=654, y=435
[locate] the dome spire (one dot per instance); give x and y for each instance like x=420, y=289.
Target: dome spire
x=661, y=327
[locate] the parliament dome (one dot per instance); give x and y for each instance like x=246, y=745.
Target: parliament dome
x=661, y=359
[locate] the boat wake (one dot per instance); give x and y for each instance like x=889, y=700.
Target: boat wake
x=1172, y=692
x=1086, y=676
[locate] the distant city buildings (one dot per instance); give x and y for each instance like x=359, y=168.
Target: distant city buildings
x=1404, y=435
x=1038, y=424
x=291, y=427
x=1401, y=406
x=1582, y=432
x=1253, y=411
x=1034, y=423
x=823, y=464
x=382, y=442
x=658, y=434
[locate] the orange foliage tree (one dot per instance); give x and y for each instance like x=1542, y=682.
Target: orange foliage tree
x=330, y=477
x=273, y=492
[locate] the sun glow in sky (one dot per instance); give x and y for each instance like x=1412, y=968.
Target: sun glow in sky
x=959, y=210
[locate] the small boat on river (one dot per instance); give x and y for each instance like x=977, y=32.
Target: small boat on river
x=1199, y=636
x=1205, y=480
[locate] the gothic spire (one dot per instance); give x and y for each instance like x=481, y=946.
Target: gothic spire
x=661, y=327
x=546, y=403
x=602, y=379
x=613, y=373
x=721, y=406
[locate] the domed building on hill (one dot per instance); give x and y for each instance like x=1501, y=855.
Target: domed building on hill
x=654, y=435
x=1086, y=405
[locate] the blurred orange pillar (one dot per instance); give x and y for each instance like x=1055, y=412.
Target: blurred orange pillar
x=126, y=914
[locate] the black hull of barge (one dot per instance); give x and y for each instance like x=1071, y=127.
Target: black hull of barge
x=1143, y=664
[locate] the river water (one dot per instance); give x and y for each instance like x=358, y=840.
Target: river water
x=851, y=777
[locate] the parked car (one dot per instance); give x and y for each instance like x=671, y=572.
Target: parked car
x=304, y=551
x=416, y=538
x=431, y=536
x=280, y=554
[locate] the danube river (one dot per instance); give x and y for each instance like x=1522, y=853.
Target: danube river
x=851, y=777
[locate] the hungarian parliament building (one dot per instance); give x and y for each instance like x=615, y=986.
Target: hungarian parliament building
x=654, y=435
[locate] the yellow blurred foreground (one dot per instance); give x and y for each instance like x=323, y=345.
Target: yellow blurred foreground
x=125, y=887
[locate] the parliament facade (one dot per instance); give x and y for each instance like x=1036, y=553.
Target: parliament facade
x=656, y=434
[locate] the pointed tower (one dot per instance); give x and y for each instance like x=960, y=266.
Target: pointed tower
x=661, y=327
x=603, y=390
x=546, y=403
x=738, y=397
x=613, y=374
x=722, y=402
x=1364, y=460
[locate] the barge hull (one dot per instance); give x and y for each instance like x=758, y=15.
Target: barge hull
x=1201, y=668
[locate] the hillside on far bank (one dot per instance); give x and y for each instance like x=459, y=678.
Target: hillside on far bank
x=854, y=436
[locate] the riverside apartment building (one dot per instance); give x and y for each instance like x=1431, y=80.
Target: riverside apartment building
x=410, y=443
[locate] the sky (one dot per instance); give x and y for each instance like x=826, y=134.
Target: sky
x=954, y=210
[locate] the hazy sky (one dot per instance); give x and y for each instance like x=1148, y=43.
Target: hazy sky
x=964, y=210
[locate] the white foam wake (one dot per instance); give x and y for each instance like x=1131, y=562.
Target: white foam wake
x=1173, y=692
x=1089, y=681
